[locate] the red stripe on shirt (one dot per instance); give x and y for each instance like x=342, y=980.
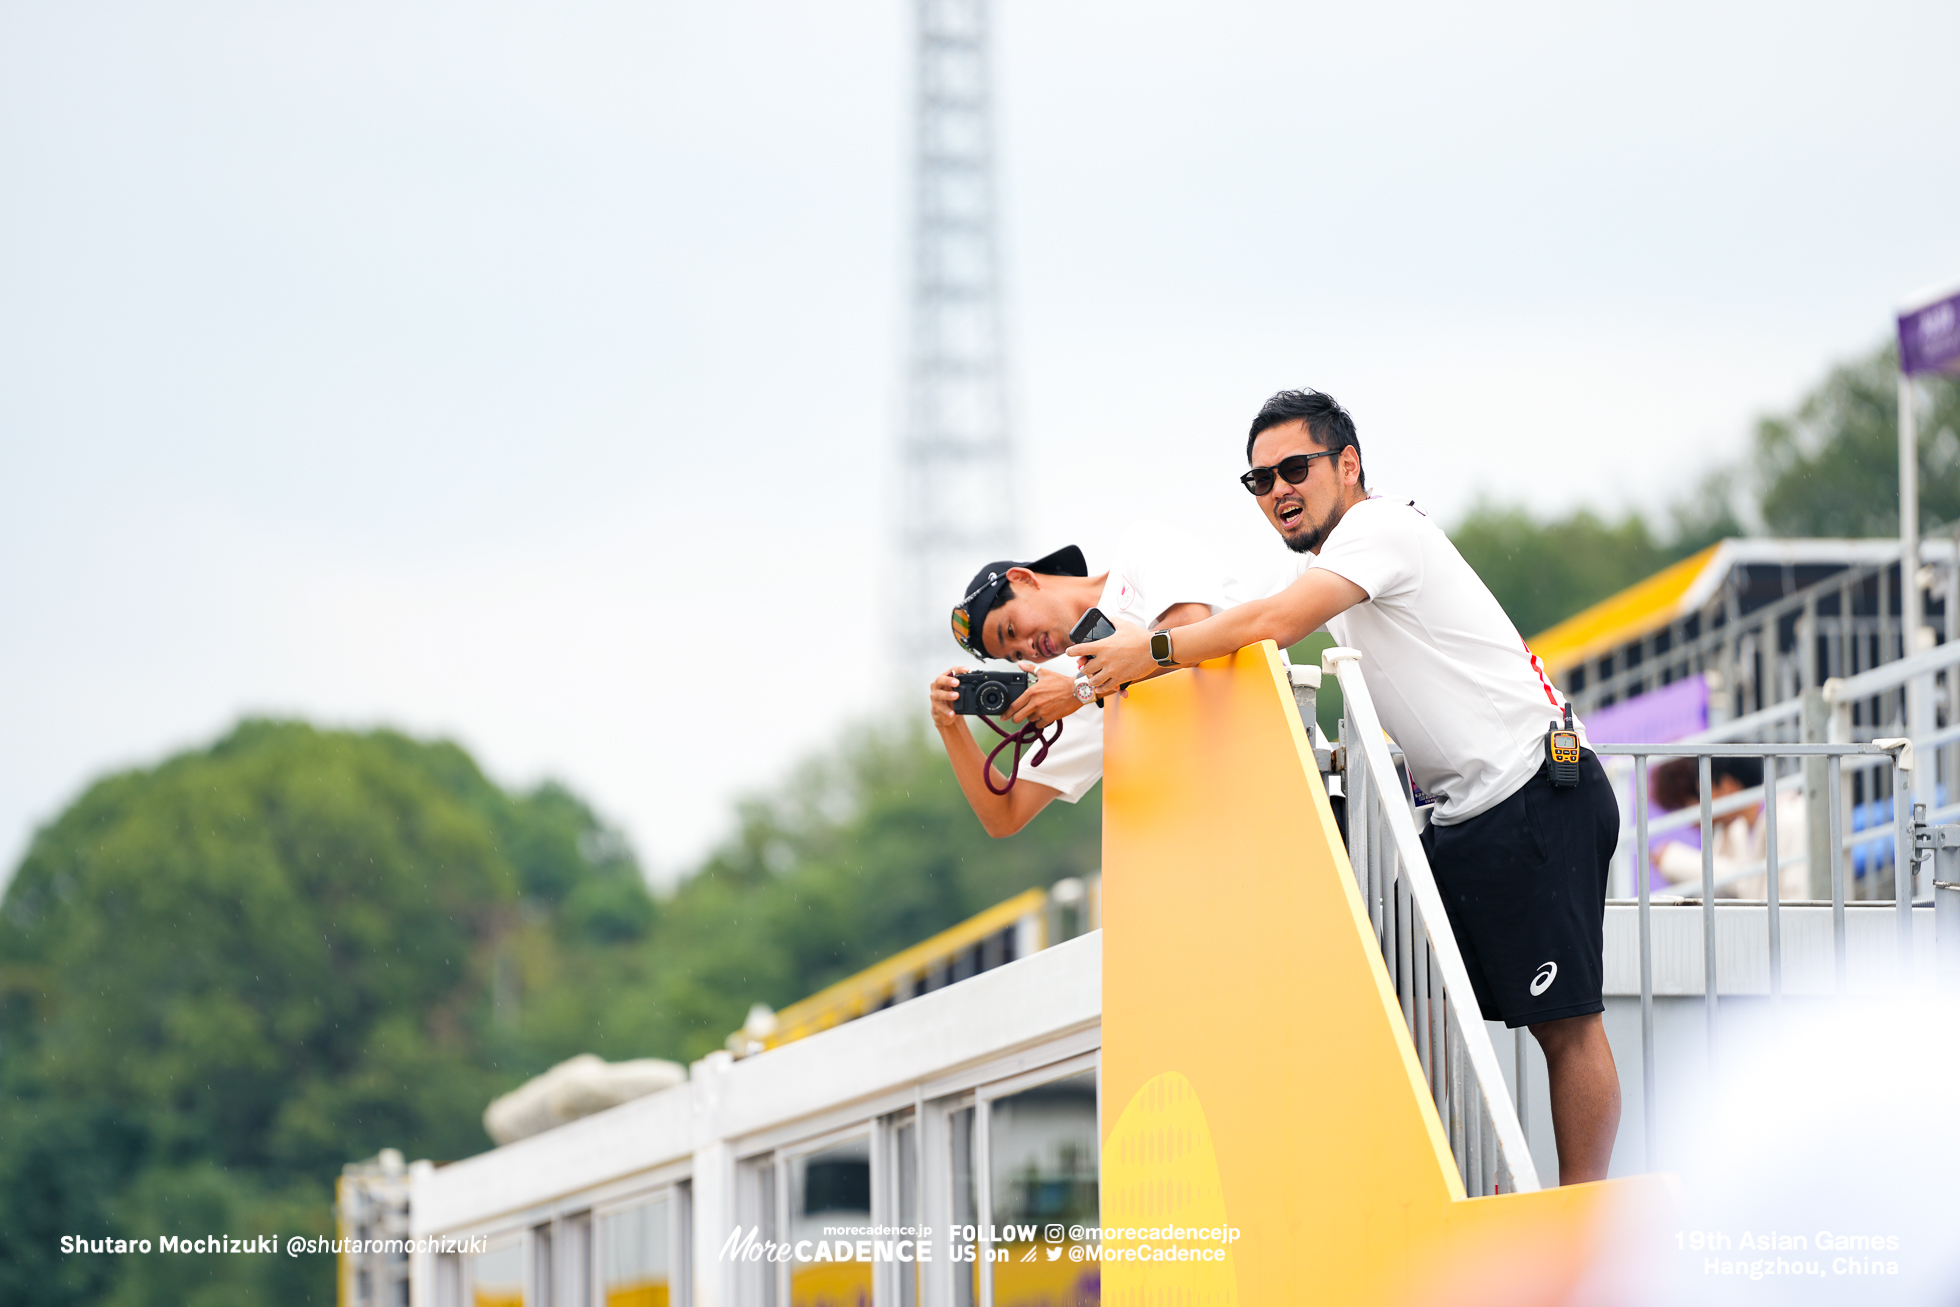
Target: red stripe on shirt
x=1539, y=667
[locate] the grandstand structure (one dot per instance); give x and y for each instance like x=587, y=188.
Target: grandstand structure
x=1807, y=641
x=1758, y=622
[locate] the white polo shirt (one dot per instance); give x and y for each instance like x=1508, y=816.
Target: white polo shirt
x=1452, y=679
x=1156, y=572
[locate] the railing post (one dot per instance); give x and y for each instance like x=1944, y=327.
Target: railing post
x=1773, y=882
x=1833, y=789
x=1306, y=693
x=1641, y=856
x=1807, y=634
x=1354, y=801
x=1905, y=850
x=1946, y=904
x=1816, y=722
x=1708, y=901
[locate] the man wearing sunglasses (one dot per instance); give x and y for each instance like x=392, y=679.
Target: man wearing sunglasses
x=1521, y=861
x=1023, y=612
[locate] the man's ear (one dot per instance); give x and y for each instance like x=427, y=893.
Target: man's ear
x=1021, y=578
x=1350, y=466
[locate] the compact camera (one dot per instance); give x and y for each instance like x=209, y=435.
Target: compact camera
x=988, y=694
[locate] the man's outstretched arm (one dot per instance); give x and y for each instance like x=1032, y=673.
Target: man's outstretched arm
x=1285, y=618
x=1000, y=814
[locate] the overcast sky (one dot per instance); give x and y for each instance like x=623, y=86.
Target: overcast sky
x=527, y=374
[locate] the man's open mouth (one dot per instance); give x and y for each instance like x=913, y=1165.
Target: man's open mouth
x=1289, y=512
x=1045, y=645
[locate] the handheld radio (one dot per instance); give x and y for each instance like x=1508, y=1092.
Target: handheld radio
x=1562, y=743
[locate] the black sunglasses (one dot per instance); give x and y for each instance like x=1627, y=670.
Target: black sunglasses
x=1294, y=467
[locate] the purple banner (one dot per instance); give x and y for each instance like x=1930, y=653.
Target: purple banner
x=1660, y=716
x=1929, y=336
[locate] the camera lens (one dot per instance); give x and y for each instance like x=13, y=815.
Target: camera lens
x=992, y=697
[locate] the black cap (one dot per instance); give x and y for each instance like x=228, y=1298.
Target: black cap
x=970, y=614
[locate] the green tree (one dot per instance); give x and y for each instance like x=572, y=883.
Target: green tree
x=1543, y=572
x=223, y=977
x=1831, y=467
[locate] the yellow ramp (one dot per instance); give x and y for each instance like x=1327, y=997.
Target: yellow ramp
x=1257, y=1073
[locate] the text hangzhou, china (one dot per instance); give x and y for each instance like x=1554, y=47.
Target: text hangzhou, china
x=1776, y=1254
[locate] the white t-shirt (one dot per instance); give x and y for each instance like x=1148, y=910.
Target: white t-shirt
x=1452, y=679
x=1161, y=572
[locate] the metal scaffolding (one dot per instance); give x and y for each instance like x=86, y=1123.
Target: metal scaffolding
x=956, y=511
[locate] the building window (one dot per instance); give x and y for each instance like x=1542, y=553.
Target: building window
x=828, y=1190
x=574, y=1258
x=449, y=1280
x=965, y=1204
x=755, y=1211
x=905, y=1186
x=637, y=1255
x=497, y=1275
x=1043, y=1166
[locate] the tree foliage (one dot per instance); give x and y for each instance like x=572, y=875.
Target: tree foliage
x=1543, y=572
x=1830, y=467
x=225, y=976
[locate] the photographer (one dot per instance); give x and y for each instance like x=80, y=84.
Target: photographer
x=1023, y=612
x=1520, y=851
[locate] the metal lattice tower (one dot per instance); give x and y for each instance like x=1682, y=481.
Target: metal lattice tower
x=956, y=511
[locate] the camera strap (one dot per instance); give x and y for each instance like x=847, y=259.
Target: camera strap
x=1029, y=734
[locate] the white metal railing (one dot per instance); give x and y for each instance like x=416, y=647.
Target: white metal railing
x=1424, y=964
x=1426, y=967
x=1905, y=832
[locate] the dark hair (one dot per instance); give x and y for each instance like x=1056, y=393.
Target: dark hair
x=1674, y=784
x=1328, y=423
x=1748, y=772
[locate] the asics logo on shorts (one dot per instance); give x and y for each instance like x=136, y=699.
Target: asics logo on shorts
x=1543, y=980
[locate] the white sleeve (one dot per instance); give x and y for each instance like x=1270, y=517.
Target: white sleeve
x=1169, y=568
x=1074, y=764
x=1375, y=546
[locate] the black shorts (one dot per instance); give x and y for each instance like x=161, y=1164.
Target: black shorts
x=1525, y=887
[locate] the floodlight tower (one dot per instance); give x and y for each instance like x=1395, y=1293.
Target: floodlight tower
x=956, y=510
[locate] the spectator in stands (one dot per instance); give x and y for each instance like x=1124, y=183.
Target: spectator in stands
x=1522, y=863
x=1672, y=786
x=1741, y=839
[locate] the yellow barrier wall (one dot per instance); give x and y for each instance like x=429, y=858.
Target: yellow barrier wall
x=1257, y=1072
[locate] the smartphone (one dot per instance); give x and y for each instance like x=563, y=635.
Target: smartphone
x=1093, y=626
